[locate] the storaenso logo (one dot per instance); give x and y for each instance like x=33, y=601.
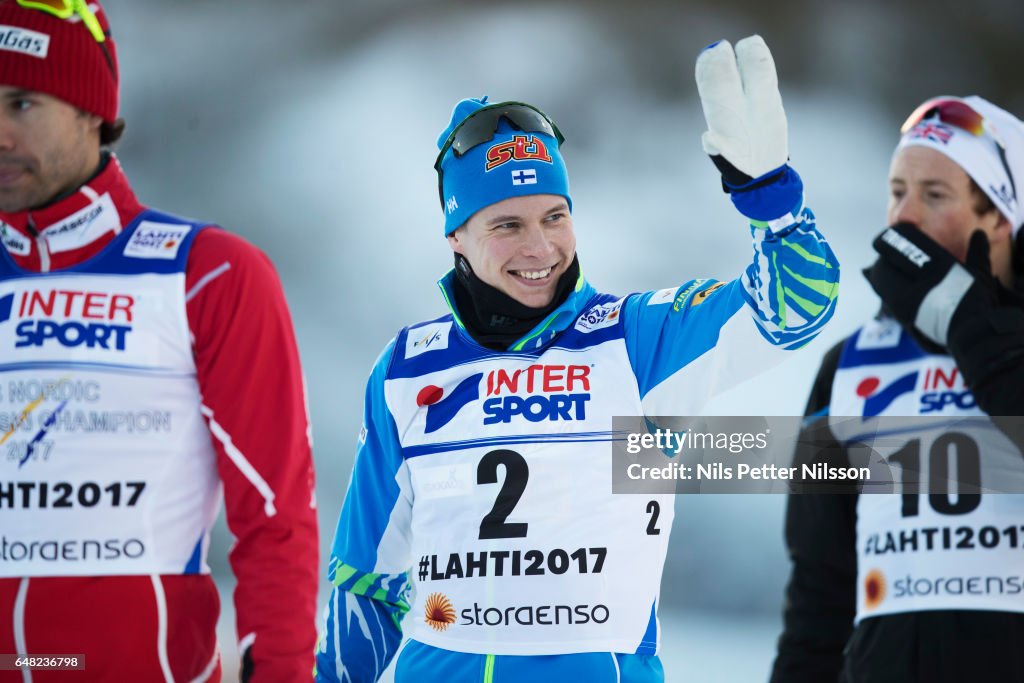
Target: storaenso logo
x=911, y=586
x=16, y=39
x=530, y=615
x=64, y=317
x=74, y=550
x=439, y=613
x=874, y=589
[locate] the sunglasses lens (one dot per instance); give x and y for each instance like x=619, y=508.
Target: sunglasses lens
x=954, y=112
x=480, y=126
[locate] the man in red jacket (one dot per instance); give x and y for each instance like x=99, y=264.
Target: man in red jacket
x=147, y=364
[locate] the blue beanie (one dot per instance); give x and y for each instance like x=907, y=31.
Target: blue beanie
x=513, y=164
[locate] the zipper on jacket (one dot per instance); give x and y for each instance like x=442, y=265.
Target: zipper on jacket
x=41, y=244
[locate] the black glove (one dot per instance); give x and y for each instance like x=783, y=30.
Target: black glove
x=955, y=308
x=922, y=285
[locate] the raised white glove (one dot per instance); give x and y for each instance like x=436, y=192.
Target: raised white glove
x=742, y=106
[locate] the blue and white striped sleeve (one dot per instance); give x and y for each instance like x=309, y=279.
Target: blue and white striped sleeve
x=361, y=628
x=793, y=283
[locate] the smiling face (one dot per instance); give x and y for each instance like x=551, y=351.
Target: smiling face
x=47, y=147
x=931, y=191
x=520, y=246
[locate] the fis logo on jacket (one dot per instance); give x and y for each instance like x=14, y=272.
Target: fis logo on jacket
x=69, y=318
x=536, y=393
x=432, y=337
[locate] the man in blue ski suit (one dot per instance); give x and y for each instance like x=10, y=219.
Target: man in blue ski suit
x=483, y=473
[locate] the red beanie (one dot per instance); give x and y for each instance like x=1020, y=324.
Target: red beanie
x=59, y=57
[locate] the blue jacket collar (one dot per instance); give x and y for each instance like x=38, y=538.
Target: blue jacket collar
x=558, y=321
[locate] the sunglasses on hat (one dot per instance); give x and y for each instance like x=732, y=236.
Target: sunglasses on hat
x=958, y=113
x=65, y=9
x=480, y=127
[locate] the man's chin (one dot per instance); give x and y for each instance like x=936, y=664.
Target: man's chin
x=534, y=299
x=13, y=201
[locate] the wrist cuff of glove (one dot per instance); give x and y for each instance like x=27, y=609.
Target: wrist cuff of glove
x=735, y=180
x=985, y=341
x=768, y=197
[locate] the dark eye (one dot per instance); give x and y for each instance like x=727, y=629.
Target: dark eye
x=20, y=104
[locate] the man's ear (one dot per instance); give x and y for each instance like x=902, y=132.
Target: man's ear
x=1003, y=229
x=454, y=241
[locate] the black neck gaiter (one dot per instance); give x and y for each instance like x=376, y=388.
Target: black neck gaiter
x=494, y=319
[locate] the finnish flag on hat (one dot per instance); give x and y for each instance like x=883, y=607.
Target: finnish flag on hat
x=524, y=176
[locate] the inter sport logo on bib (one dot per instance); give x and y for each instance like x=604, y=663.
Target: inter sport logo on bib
x=535, y=393
x=68, y=318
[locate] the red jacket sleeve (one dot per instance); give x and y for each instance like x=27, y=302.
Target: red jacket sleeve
x=253, y=399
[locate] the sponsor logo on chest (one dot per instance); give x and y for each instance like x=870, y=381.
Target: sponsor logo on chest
x=939, y=387
x=14, y=242
x=84, y=226
x=68, y=317
x=535, y=393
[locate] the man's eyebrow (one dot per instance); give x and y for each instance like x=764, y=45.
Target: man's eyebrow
x=927, y=182
x=504, y=219
x=512, y=218
x=931, y=182
x=18, y=94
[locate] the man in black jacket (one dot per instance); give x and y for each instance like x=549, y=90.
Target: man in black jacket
x=929, y=585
